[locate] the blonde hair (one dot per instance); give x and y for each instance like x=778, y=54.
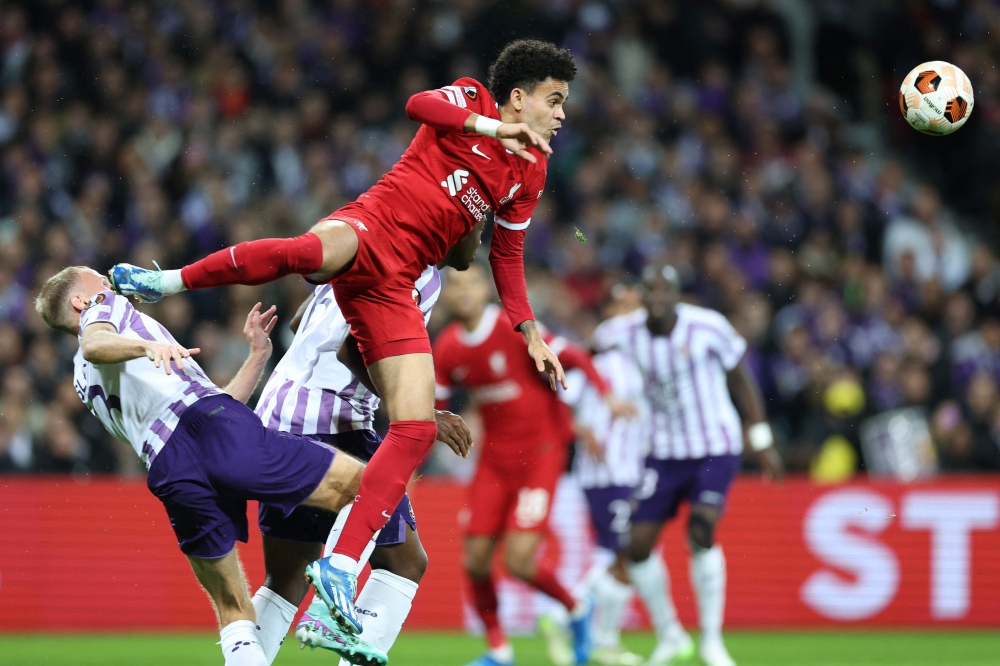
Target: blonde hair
x=52, y=303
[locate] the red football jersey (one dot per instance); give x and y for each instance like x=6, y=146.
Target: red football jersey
x=520, y=411
x=447, y=181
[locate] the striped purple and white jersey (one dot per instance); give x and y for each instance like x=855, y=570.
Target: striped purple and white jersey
x=625, y=441
x=310, y=392
x=691, y=412
x=137, y=402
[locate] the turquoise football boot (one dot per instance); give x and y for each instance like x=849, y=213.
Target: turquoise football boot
x=317, y=629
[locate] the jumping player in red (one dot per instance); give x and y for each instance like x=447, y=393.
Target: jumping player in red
x=473, y=155
x=524, y=449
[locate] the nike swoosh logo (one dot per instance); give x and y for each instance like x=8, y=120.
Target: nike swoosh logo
x=384, y=514
x=476, y=150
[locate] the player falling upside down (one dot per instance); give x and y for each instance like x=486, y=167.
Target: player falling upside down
x=691, y=361
x=524, y=450
x=471, y=156
x=207, y=453
x=311, y=392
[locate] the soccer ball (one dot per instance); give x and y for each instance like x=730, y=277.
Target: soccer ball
x=936, y=98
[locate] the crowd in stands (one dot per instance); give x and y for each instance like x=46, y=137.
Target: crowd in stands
x=755, y=145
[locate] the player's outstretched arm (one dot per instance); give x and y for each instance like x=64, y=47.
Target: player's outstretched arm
x=744, y=388
x=574, y=356
x=257, y=331
x=101, y=344
x=432, y=109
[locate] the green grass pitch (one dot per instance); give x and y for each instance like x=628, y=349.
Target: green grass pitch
x=840, y=648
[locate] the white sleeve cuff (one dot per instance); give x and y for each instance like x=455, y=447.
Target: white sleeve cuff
x=513, y=226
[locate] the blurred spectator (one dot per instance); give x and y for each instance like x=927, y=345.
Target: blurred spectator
x=696, y=133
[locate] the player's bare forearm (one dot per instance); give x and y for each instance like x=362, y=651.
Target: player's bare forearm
x=245, y=382
x=257, y=331
x=351, y=357
x=515, y=137
x=102, y=345
x=745, y=390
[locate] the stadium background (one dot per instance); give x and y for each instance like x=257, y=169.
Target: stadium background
x=757, y=145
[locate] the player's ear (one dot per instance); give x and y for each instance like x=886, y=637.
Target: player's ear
x=517, y=99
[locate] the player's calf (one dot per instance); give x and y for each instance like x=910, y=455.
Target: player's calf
x=225, y=583
x=701, y=528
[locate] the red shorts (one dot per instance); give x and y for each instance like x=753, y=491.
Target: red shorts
x=377, y=293
x=514, y=498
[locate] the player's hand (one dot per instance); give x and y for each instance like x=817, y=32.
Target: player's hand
x=258, y=329
x=620, y=409
x=164, y=353
x=771, y=466
x=518, y=137
x=546, y=361
x=588, y=440
x=453, y=431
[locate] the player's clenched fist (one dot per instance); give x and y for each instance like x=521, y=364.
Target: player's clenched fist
x=164, y=352
x=453, y=432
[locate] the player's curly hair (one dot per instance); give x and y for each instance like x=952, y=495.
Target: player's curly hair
x=525, y=63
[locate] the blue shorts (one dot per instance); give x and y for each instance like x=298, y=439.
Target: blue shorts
x=611, y=514
x=666, y=483
x=307, y=524
x=220, y=456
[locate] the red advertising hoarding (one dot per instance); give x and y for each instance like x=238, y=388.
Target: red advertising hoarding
x=798, y=554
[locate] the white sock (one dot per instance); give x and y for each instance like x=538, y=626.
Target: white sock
x=240, y=646
x=708, y=576
x=384, y=604
x=503, y=654
x=603, y=559
x=172, y=282
x=652, y=584
x=274, y=617
x=611, y=596
x=345, y=563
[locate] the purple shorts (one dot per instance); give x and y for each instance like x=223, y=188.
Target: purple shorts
x=698, y=480
x=308, y=524
x=220, y=456
x=611, y=514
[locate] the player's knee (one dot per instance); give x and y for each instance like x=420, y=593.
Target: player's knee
x=639, y=551
x=520, y=565
x=476, y=566
x=411, y=564
x=292, y=589
x=701, y=531
x=417, y=567
x=340, y=244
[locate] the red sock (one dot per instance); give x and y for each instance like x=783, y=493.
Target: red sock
x=484, y=598
x=545, y=581
x=384, y=482
x=256, y=262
